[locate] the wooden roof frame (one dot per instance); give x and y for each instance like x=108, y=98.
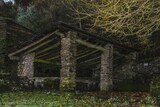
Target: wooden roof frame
x=61, y=27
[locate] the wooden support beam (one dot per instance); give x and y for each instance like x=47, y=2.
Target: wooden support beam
x=40, y=45
x=81, y=52
x=48, y=48
x=53, y=58
x=93, y=63
x=88, y=54
x=57, y=55
x=82, y=42
x=43, y=61
x=90, y=60
x=41, y=56
x=32, y=44
x=49, y=54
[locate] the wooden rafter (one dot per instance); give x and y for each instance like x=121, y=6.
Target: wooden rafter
x=42, y=61
x=85, y=43
x=48, y=48
x=85, y=51
x=48, y=54
x=32, y=44
x=90, y=60
x=40, y=45
x=54, y=57
x=90, y=45
x=85, y=55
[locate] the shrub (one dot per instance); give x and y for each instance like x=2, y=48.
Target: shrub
x=155, y=87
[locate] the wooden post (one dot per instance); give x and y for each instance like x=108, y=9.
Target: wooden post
x=68, y=61
x=26, y=65
x=106, y=68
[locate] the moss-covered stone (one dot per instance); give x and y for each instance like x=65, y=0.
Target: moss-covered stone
x=68, y=83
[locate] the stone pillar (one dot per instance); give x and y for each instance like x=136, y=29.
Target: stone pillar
x=26, y=65
x=106, y=68
x=68, y=61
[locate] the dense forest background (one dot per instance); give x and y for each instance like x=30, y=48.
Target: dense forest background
x=130, y=22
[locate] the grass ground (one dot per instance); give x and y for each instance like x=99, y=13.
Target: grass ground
x=64, y=99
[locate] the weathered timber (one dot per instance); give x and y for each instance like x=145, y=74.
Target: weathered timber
x=26, y=65
x=41, y=56
x=49, y=54
x=31, y=45
x=90, y=60
x=83, y=51
x=43, y=61
x=53, y=58
x=106, y=68
x=88, y=54
x=90, y=45
x=48, y=48
x=40, y=45
x=85, y=43
x=68, y=61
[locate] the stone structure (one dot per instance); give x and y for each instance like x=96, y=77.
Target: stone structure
x=106, y=68
x=78, y=47
x=68, y=61
x=26, y=65
x=12, y=37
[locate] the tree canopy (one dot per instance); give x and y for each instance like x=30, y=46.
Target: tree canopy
x=132, y=22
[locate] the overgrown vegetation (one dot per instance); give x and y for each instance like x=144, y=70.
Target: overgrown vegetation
x=155, y=87
x=57, y=99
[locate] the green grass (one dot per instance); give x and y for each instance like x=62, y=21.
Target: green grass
x=65, y=99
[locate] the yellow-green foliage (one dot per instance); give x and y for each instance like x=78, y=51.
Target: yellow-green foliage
x=55, y=99
x=68, y=83
x=155, y=87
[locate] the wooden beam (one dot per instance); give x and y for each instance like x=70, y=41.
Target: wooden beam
x=83, y=50
x=97, y=62
x=48, y=54
x=49, y=48
x=32, y=44
x=53, y=58
x=90, y=60
x=42, y=61
x=82, y=42
x=41, y=56
x=40, y=45
x=87, y=54
x=79, y=57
